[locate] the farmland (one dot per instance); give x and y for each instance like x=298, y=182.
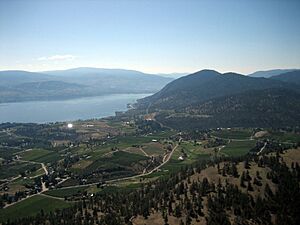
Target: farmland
x=107, y=156
x=14, y=169
x=31, y=207
x=238, y=148
x=233, y=133
x=61, y=193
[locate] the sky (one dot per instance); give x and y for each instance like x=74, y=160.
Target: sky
x=157, y=36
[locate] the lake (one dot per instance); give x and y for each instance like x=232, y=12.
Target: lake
x=66, y=110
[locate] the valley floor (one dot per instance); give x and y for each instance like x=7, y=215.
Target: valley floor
x=97, y=157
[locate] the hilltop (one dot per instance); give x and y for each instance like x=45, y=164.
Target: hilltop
x=208, y=99
x=18, y=86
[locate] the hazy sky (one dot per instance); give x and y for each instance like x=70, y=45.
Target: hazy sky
x=157, y=36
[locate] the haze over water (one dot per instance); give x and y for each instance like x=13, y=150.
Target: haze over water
x=66, y=110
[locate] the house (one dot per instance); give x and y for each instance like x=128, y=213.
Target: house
x=180, y=158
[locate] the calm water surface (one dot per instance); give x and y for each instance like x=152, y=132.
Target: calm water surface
x=66, y=110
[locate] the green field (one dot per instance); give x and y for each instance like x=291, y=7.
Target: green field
x=124, y=142
x=233, y=134
x=118, y=158
x=68, y=192
x=119, y=164
x=40, y=155
x=61, y=193
x=121, y=126
x=49, y=158
x=22, y=181
x=13, y=170
x=238, y=148
x=99, y=152
x=154, y=149
x=125, y=158
x=33, y=154
x=162, y=134
x=285, y=136
x=128, y=141
x=37, y=173
x=174, y=164
x=163, y=172
x=6, y=152
x=31, y=206
x=194, y=153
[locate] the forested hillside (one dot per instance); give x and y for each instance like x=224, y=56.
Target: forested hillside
x=263, y=108
x=208, y=99
x=247, y=190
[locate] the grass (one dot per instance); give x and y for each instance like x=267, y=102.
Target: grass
x=99, y=152
x=69, y=182
x=7, y=152
x=34, y=154
x=31, y=207
x=82, y=164
x=154, y=149
x=19, y=185
x=41, y=155
x=121, y=126
x=39, y=172
x=126, y=187
x=116, y=162
x=125, y=142
x=285, y=136
x=175, y=165
x=238, y=148
x=49, y=158
x=233, y=134
x=128, y=141
x=125, y=158
x=22, y=181
x=162, y=134
x=194, y=153
x=120, y=186
x=61, y=193
x=13, y=170
x=134, y=150
x=158, y=174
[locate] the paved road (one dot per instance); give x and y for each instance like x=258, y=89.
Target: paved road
x=142, y=150
x=232, y=139
x=39, y=193
x=44, y=168
x=168, y=157
x=44, y=188
x=262, y=149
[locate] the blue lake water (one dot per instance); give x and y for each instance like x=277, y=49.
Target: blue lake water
x=66, y=110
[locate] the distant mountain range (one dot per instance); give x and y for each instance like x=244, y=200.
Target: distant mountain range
x=208, y=99
x=270, y=73
x=290, y=77
x=172, y=75
x=63, y=84
x=205, y=99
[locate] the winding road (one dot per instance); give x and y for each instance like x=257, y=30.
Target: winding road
x=168, y=157
x=260, y=151
x=44, y=189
